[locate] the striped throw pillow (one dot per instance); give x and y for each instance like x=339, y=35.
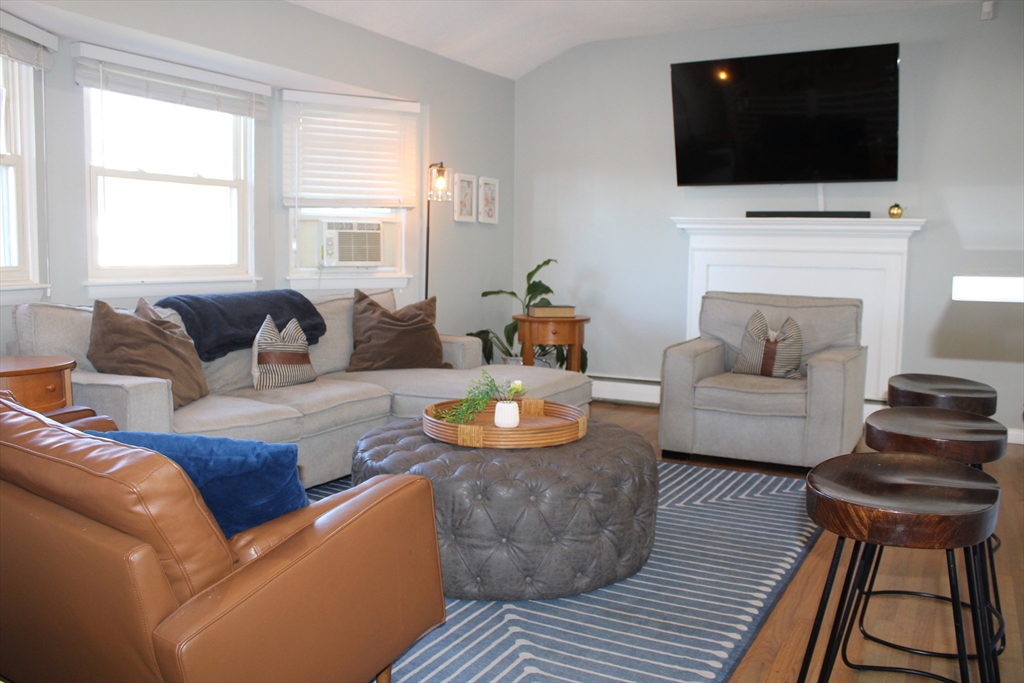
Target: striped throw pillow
x=769, y=353
x=280, y=359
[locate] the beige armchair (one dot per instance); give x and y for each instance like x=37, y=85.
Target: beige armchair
x=707, y=409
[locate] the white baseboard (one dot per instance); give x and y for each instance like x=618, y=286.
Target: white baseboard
x=648, y=392
x=626, y=391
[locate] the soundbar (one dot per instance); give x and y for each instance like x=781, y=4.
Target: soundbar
x=808, y=214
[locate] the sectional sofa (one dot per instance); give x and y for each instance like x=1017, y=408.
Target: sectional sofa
x=325, y=418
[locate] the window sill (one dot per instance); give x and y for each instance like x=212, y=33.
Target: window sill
x=25, y=293
x=100, y=289
x=332, y=282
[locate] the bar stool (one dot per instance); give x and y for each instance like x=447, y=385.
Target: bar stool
x=965, y=437
x=904, y=500
x=941, y=391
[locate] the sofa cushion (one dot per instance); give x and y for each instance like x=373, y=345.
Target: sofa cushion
x=824, y=323
x=751, y=395
x=43, y=329
x=244, y=483
x=135, y=491
x=770, y=353
x=239, y=418
x=325, y=405
x=405, y=338
x=415, y=389
x=335, y=348
x=280, y=359
x=144, y=344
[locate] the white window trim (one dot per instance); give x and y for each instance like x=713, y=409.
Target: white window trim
x=26, y=273
x=111, y=280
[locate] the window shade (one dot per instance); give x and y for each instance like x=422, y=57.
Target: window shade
x=347, y=155
x=144, y=77
x=26, y=43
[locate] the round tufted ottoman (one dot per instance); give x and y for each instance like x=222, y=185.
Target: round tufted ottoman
x=529, y=524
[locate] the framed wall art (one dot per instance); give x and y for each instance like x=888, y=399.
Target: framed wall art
x=465, y=197
x=487, y=206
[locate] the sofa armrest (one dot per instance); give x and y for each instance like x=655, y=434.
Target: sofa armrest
x=340, y=599
x=682, y=366
x=142, y=404
x=463, y=352
x=835, y=402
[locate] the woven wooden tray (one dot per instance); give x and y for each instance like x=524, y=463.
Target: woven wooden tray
x=541, y=423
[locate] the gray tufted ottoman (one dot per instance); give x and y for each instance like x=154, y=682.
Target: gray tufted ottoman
x=529, y=524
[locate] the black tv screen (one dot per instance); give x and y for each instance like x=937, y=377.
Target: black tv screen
x=801, y=117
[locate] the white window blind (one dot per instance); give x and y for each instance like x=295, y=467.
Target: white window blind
x=130, y=74
x=26, y=43
x=342, y=151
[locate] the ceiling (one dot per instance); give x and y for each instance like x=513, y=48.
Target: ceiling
x=512, y=37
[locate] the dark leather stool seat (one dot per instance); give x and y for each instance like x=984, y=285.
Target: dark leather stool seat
x=941, y=391
x=953, y=434
x=907, y=500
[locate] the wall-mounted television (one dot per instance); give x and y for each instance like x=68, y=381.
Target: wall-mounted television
x=800, y=117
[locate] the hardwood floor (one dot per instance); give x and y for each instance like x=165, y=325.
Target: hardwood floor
x=778, y=649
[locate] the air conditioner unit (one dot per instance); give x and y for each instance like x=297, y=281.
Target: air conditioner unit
x=351, y=243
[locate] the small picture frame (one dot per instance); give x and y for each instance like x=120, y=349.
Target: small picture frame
x=487, y=205
x=465, y=197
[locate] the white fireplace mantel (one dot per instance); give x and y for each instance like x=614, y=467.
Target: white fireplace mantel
x=860, y=258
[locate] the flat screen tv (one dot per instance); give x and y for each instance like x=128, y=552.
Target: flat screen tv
x=800, y=117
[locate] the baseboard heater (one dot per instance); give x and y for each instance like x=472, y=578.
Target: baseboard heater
x=808, y=214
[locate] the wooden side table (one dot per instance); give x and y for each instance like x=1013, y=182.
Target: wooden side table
x=552, y=332
x=41, y=383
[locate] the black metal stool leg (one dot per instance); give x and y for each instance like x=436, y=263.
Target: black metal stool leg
x=958, y=617
x=979, y=617
x=989, y=580
x=822, y=606
x=857, y=571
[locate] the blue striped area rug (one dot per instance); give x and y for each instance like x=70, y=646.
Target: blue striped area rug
x=726, y=545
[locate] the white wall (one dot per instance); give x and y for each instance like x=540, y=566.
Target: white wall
x=595, y=184
x=469, y=114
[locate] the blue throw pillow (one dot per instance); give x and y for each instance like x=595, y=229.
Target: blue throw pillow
x=244, y=483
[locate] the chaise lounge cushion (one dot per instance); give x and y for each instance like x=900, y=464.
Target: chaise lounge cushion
x=415, y=389
x=244, y=483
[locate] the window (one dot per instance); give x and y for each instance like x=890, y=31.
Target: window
x=349, y=178
x=170, y=159
x=170, y=187
x=18, y=204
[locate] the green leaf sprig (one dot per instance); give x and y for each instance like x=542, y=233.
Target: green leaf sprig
x=481, y=392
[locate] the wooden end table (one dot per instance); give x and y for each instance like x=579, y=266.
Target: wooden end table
x=552, y=332
x=41, y=383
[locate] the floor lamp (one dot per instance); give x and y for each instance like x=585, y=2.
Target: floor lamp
x=440, y=191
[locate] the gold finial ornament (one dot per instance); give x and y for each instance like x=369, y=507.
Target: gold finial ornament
x=895, y=211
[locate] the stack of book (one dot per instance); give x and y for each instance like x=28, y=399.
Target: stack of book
x=552, y=311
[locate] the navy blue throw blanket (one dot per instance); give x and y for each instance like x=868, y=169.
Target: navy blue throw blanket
x=222, y=323
x=244, y=483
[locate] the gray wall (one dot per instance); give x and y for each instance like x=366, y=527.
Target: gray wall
x=470, y=128
x=595, y=184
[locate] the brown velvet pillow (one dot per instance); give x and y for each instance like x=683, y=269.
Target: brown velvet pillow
x=406, y=338
x=146, y=345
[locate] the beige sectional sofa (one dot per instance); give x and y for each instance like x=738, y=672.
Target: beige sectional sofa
x=325, y=418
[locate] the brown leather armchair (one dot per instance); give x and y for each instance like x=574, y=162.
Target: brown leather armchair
x=113, y=569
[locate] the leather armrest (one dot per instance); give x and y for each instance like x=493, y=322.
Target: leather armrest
x=339, y=599
x=82, y=418
x=258, y=541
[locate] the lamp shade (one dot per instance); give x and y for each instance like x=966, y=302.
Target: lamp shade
x=440, y=184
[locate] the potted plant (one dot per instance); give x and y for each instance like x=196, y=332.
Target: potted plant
x=481, y=393
x=536, y=295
